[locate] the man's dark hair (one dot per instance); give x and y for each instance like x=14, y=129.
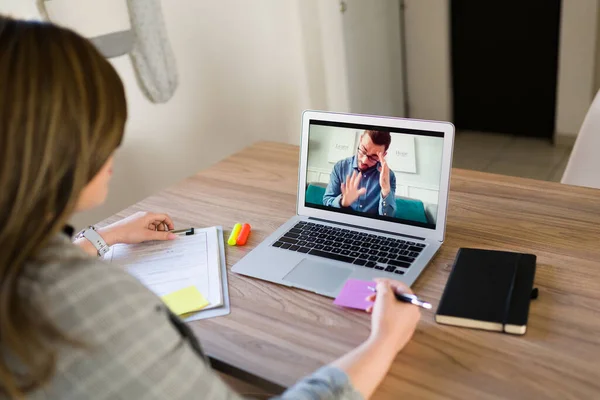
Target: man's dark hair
x=381, y=138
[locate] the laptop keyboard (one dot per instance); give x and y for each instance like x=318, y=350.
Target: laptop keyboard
x=358, y=248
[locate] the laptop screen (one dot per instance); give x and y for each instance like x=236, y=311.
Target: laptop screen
x=390, y=174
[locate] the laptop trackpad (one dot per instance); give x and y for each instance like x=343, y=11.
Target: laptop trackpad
x=318, y=276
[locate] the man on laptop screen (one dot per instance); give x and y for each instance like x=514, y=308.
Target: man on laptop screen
x=364, y=182
x=391, y=175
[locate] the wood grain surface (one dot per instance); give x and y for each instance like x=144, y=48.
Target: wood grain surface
x=281, y=334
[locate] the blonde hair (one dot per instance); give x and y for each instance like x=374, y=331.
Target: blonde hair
x=62, y=114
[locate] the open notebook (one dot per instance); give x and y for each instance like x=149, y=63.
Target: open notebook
x=171, y=266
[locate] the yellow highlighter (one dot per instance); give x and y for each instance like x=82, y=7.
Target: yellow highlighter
x=234, y=234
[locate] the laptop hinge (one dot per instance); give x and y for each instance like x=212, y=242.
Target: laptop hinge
x=365, y=228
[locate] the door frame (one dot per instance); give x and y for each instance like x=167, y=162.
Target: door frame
x=327, y=61
x=426, y=47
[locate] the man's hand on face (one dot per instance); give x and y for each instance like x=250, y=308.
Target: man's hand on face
x=384, y=176
x=350, y=189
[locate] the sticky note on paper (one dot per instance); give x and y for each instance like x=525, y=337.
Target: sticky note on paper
x=354, y=293
x=185, y=300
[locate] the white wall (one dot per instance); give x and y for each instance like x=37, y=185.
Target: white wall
x=325, y=55
x=243, y=78
x=353, y=66
x=428, y=58
x=372, y=43
x=597, y=62
x=577, y=63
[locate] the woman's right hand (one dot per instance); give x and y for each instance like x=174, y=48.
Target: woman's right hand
x=392, y=321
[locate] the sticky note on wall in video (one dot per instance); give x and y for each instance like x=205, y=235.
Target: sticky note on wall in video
x=401, y=154
x=342, y=145
x=184, y=301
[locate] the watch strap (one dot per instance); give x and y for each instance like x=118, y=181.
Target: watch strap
x=95, y=239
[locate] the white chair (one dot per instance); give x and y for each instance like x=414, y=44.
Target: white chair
x=583, y=168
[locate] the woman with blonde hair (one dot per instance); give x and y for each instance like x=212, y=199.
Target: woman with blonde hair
x=71, y=326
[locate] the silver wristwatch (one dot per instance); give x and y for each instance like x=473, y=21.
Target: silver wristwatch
x=95, y=239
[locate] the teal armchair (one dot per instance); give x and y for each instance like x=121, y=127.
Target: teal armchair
x=410, y=209
x=315, y=193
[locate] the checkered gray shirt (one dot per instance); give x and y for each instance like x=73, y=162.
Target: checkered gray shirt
x=134, y=350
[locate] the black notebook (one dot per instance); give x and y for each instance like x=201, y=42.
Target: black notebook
x=489, y=290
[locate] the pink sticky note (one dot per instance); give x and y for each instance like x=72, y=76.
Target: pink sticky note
x=354, y=293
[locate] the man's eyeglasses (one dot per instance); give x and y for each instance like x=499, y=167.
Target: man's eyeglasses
x=369, y=157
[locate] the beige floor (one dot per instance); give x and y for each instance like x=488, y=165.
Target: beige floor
x=510, y=155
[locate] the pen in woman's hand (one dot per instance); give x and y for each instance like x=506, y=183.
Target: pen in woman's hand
x=408, y=298
x=187, y=231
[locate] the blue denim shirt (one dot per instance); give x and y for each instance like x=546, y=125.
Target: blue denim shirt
x=371, y=202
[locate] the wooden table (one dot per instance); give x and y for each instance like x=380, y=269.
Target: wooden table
x=281, y=334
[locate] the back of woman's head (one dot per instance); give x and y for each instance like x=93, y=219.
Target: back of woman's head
x=62, y=114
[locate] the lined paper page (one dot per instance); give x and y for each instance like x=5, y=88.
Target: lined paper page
x=166, y=267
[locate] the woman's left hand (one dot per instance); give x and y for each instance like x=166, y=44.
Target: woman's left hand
x=139, y=227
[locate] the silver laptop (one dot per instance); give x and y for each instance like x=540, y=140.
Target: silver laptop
x=372, y=201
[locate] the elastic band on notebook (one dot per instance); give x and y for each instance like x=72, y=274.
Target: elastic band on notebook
x=510, y=292
x=534, y=293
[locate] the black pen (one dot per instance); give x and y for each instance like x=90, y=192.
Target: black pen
x=407, y=298
x=189, y=231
